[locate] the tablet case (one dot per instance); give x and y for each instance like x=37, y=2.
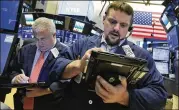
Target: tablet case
x=111, y=66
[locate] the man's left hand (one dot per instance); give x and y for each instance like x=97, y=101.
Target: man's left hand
x=36, y=92
x=112, y=94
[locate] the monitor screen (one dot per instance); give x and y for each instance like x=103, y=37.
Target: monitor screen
x=78, y=26
x=165, y=21
x=7, y=45
x=10, y=14
x=161, y=54
x=173, y=37
x=26, y=32
x=162, y=67
x=60, y=35
x=29, y=19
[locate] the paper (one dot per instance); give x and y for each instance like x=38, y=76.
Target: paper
x=55, y=52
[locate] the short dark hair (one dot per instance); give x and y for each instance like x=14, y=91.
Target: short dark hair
x=122, y=6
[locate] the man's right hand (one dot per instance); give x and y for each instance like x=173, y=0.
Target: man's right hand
x=78, y=66
x=21, y=78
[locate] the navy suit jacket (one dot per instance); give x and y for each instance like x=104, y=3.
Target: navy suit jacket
x=24, y=60
x=148, y=94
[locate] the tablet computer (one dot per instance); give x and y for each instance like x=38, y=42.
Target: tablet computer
x=111, y=66
x=25, y=85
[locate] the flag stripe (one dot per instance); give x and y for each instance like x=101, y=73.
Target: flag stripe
x=146, y=30
x=147, y=25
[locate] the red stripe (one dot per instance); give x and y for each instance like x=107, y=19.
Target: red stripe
x=156, y=13
x=149, y=32
x=150, y=28
x=157, y=25
x=156, y=37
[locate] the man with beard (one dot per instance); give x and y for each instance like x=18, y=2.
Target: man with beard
x=34, y=63
x=149, y=93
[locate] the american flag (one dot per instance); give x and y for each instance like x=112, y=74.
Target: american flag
x=147, y=23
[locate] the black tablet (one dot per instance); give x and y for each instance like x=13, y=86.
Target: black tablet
x=25, y=85
x=111, y=66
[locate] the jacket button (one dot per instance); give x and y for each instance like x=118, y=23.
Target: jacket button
x=90, y=101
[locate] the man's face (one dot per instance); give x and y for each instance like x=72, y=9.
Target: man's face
x=45, y=40
x=116, y=25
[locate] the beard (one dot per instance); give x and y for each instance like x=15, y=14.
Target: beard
x=113, y=39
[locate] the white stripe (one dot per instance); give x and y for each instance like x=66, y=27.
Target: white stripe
x=156, y=15
x=147, y=26
x=149, y=30
x=156, y=19
x=148, y=34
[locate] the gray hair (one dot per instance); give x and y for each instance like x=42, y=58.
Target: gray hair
x=42, y=24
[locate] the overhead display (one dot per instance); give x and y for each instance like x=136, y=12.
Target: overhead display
x=6, y=44
x=9, y=14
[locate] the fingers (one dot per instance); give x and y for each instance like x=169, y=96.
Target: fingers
x=103, y=89
x=110, y=93
x=25, y=78
x=88, y=52
x=21, y=78
x=123, y=81
x=100, y=91
x=108, y=87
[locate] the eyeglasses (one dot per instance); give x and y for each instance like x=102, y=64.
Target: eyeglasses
x=114, y=22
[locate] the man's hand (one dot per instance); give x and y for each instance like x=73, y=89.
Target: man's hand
x=21, y=78
x=88, y=53
x=78, y=66
x=110, y=93
x=36, y=92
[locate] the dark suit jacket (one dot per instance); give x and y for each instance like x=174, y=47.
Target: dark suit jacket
x=147, y=94
x=24, y=60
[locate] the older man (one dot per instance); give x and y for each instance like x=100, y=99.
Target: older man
x=34, y=63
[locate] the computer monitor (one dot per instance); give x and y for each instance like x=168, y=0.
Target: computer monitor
x=166, y=22
x=29, y=19
x=173, y=37
x=26, y=32
x=10, y=14
x=59, y=22
x=7, y=47
x=161, y=54
x=78, y=27
x=60, y=35
x=162, y=67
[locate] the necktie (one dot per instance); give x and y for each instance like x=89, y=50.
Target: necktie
x=29, y=101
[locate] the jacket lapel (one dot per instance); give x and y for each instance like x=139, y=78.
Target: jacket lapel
x=50, y=57
x=31, y=56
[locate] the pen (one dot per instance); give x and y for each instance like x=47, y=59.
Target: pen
x=23, y=73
